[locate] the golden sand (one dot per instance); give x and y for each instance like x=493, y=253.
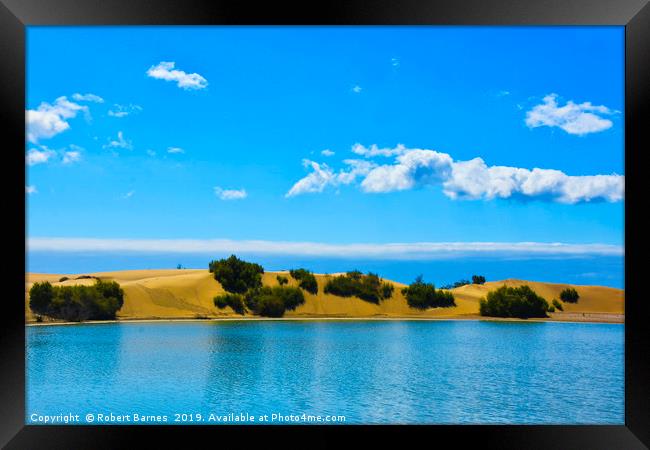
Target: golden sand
x=189, y=293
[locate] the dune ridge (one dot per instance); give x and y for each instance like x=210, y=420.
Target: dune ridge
x=189, y=293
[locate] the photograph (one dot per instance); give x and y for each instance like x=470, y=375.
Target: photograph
x=318, y=225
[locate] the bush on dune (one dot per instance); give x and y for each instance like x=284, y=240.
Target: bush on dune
x=306, y=280
x=273, y=301
x=520, y=302
x=421, y=295
x=235, y=301
x=569, y=295
x=367, y=287
x=235, y=275
x=100, y=301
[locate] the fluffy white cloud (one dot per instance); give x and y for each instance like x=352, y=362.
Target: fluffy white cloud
x=323, y=176
x=413, y=168
x=120, y=142
x=35, y=156
x=327, y=152
x=48, y=120
x=473, y=179
x=30, y=190
x=123, y=110
x=165, y=71
x=87, y=98
x=579, y=119
x=406, y=251
x=230, y=194
x=174, y=150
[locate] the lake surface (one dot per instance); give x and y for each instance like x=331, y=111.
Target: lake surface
x=419, y=372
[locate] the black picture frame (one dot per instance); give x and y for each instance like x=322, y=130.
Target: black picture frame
x=15, y=15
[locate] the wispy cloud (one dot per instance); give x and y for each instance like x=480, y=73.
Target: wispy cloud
x=70, y=157
x=175, y=150
x=120, y=142
x=151, y=152
x=407, y=251
x=30, y=190
x=357, y=89
x=394, y=62
x=574, y=118
x=87, y=98
x=327, y=152
x=165, y=71
x=48, y=120
x=128, y=194
x=120, y=111
x=230, y=194
x=471, y=180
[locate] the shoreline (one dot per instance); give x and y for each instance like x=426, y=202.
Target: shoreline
x=617, y=320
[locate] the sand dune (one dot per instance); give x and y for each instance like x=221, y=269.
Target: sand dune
x=189, y=293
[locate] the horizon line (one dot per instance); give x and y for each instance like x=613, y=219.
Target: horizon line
x=413, y=250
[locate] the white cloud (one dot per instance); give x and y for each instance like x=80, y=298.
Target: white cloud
x=165, y=71
x=48, y=120
x=151, y=152
x=71, y=156
x=87, y=98
x=123, y=110
x=471, y=180
x=31, y=190
x=230, y=194
x=394, y=62
x=323, y=176
x=406, y=251
x=414, y=168
x=35, y=156
x=120, y=142
x=357, y=89
x=175, y=150
x=373, y=150
x=578, y=119
x=128, y=194
x=327, y=152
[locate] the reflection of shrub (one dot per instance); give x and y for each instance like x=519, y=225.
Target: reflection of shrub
x=423, y=295
x=235, y=301
x=100, y=301
x=521, y=302
x=235, y=275
x=273, y=301
x=368, y=287
x=569, y=295
x=558, y=305
x=282, y=280
x=306, y=280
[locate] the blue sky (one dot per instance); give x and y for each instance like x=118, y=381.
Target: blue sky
x=215, y=145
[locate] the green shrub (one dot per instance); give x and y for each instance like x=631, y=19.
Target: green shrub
x=367, y=287
x=282, y=280
x=521, y=302
x=558, y=305
x=423, y=295
x=551, y=309
x=569, y=295
x=235, y=275
x=273, y=301
x=478, y=279
x=306, y=280
x=62, y=279
x=235, y=301
x=100, y=301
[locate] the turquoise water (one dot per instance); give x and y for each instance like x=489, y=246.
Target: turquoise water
x=412, y=372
